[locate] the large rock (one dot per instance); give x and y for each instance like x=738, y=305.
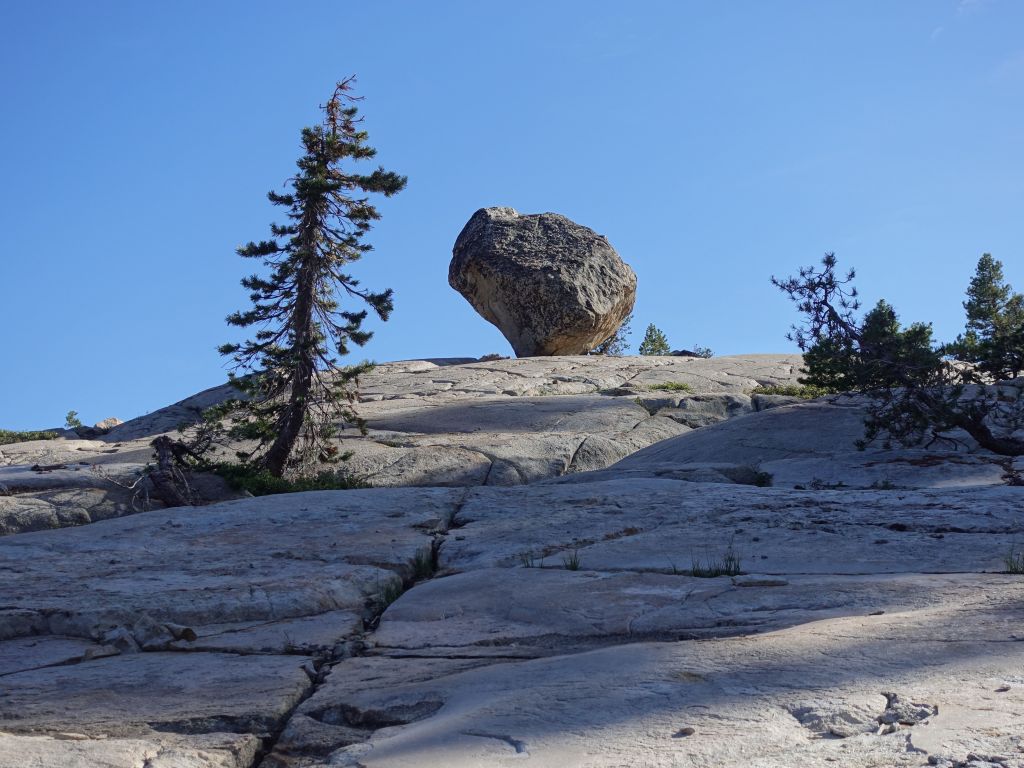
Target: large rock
x=551, y=286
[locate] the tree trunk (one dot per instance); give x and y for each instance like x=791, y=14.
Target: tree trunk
x=1004, y=446
x=290, y=424
x=165, y=484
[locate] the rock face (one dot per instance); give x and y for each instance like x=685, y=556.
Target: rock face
x=438, y=423
x=551, y=286
x=670, y=610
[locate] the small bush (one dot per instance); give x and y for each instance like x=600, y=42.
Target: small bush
x=491, y=358
x=261, y=483
x=71, y=421
x=673, y=386
x=803, y=391
x=704, y=352
x=8, y=436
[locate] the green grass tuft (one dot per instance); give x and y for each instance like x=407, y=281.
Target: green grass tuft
x=389, y=591
x=672, y=386
x=728, y=565
x=529, y=561
x=1014, y=561
x=572, y=562
x=424, y=564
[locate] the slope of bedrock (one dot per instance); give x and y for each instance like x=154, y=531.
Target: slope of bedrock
x=662, y=612
x=432, y=423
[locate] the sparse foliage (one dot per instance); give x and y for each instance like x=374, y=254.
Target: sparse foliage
x=917, y=395
x=654, y=342
x=296, y=391
x=71, y=421
x=728, y=565
x=616, y=344
x=803, y=391
x=8, y=436
x=1014, y=561
x=672, y=386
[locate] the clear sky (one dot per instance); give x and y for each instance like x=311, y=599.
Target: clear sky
x=714, y=143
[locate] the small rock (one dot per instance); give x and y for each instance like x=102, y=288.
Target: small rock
x=121, y=639
x=900, y=712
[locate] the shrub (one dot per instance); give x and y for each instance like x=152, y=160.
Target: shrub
x=8, y=436
x=71, y=421
x=260, y=482
x=673, y=386
x=803, y=391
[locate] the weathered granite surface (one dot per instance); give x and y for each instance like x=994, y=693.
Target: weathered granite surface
x=550, y=285
x=751, y=593
x=432, y=423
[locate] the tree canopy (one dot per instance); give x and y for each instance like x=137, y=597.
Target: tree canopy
x=654, y=342
x=917, y=392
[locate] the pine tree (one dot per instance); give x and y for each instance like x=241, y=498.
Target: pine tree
x=994, y=336
x=654, y=342
x=865, y=362
x=297, y=390
x=914, y=393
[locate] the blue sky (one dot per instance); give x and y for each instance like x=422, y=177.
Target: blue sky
x=713, y=143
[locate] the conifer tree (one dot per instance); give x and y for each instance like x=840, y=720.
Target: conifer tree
x=654, y=342
x=864, y=363
x=296, y=390
x=994, y=335
x=914, y=393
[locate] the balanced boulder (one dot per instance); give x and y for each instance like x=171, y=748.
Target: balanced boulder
x=551, y=286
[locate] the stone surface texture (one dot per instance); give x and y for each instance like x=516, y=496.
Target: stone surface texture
x=550, y=285
x=436, y=423
x=754, y=592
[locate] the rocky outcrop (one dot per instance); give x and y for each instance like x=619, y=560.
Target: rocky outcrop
x=432, y=422
x=551, y=286
x=662, y=611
